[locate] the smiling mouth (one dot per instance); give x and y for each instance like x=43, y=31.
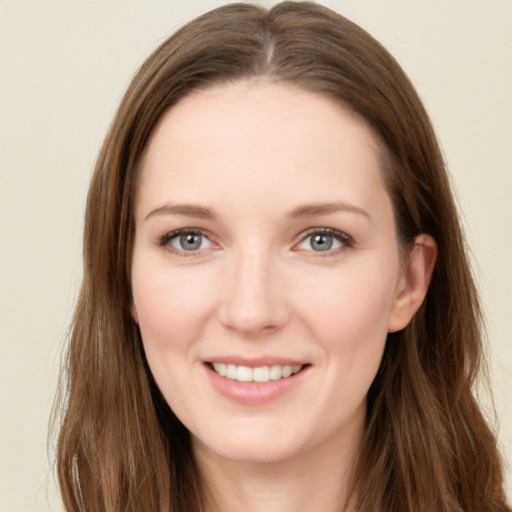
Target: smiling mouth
x=257, y=374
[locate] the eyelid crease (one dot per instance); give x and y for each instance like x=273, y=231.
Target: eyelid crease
x=342, y=236
x=164, y=241
x=345, y=240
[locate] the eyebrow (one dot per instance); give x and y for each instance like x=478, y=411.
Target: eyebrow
x=308, y=210
x=187, y=210
x=311, y=210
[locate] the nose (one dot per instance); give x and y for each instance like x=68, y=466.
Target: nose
x=253, y=299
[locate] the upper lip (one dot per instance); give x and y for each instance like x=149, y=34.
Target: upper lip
x=256, y=362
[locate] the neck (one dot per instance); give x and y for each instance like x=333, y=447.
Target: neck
x=316, y=480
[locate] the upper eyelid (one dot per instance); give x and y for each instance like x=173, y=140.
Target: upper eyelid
x=182, y=231
x=166, y=238
x=342, y=236
x=346, y=242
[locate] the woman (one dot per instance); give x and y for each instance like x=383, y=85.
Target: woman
x=277, y=310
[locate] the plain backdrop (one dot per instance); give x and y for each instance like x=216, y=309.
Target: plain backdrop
x=63, y=68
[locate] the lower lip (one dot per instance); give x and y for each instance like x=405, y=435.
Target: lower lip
x=254, y=393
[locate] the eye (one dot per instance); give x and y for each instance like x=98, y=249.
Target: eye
x=186, y=240
x=325, y=240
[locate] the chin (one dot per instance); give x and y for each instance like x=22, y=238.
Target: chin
x=258, y=445
x=255, y=454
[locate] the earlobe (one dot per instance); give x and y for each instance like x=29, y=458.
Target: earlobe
x=133, y=311
x=414, y=282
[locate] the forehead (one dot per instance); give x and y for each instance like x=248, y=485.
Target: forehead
x=248, y=138
x=258, y=102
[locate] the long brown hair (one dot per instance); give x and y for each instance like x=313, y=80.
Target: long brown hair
x=427, y=446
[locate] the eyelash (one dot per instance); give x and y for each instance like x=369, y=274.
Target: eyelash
x=345, y=240
x=165, y=240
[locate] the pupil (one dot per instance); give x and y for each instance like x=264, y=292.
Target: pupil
x=322, y=242
x=190, y=241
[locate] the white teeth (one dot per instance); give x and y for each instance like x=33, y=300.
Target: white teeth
x=261, y=374
x=244, y=374
x=287, y=371
x=276, y=372
x=220, y=368
x=258, y=374
x=231, y=371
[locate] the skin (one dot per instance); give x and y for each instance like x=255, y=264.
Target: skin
x=250, y=157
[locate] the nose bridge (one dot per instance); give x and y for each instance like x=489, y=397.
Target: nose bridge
x=253, y=299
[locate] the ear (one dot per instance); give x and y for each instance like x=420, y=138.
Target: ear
x=413, y=283
x=133, y=311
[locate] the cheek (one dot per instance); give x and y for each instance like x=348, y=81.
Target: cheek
x=348, y=314
x=169, y=303
x=351, y=309
x=171, y=306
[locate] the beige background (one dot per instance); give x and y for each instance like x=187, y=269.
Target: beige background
x=63, y=68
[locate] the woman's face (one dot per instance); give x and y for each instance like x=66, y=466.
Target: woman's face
x=266, y=271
